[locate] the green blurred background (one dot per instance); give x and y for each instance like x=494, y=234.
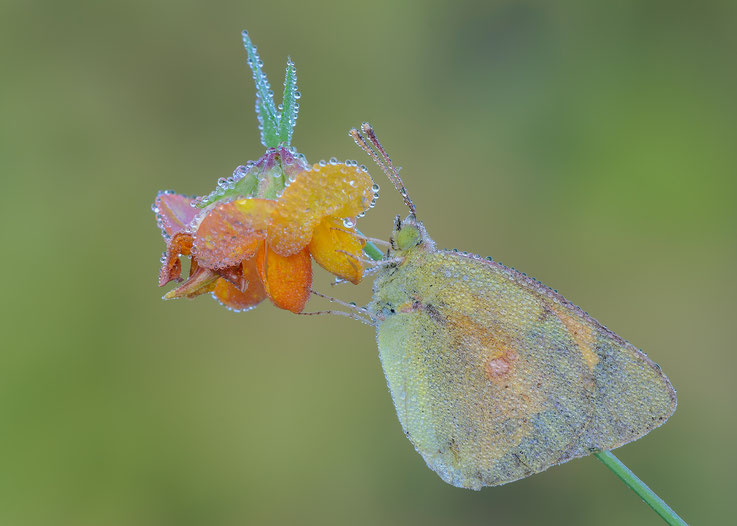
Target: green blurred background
x=590, y=145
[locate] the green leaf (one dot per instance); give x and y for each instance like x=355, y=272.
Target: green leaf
x=244, y=183
x=268, y=118
x=290, y=107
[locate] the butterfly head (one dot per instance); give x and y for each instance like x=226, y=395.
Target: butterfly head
x=409, y=234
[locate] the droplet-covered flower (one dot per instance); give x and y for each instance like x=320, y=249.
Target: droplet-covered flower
x=270, y=241
x=255, y=235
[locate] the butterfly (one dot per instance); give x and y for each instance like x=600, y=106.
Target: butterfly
x=495, y=376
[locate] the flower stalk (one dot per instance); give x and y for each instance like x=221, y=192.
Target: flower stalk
x=640, y=488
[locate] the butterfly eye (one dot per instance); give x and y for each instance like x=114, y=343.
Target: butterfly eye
x=408, y=237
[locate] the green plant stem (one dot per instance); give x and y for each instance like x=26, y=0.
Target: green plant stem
x=607, y=457
x=639, y=487
x=372, y=250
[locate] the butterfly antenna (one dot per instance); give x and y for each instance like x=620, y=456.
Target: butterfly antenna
x=377, y=152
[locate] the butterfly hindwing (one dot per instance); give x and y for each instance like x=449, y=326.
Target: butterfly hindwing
x=496, y=377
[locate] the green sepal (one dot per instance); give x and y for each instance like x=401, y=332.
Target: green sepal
x=272, y=181
x=264, y=179
x=239, y=186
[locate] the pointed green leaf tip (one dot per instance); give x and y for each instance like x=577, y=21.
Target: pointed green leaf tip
x=276, y=126
x=290, y=107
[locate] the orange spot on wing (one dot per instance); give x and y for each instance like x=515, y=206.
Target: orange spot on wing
x=497, y=347
x=497, y=367
x=287, y=279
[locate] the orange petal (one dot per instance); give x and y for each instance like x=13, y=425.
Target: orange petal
x=171, y=267
x=241, y=300
x=287, y=279
x=173, y=212
x=335, y=189
x=200, y=281
x=234, y=275
x=232, y=232
x=338, y=249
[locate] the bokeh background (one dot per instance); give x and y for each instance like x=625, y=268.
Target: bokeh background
x=591, y=145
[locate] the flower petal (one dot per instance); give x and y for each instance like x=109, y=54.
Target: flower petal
x=338, y=249
x=171, y=267
x=200, y=281
x=234, y=275
x=287, y=279
x=232, y=232
x=239, y=299
x=335, y=189
x=173, y=212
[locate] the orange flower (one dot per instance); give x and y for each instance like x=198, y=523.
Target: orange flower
x=251, y=248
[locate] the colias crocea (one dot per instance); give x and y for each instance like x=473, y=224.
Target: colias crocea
x=495, y=376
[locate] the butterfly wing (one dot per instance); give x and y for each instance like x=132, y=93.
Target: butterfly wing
x=496, y=377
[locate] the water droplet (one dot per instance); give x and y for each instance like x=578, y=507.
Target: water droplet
x=348, y=222
x=375, y=188
x=333, y=161
x=297, y=95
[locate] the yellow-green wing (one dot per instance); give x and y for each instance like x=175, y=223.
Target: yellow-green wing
x=496, y=377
